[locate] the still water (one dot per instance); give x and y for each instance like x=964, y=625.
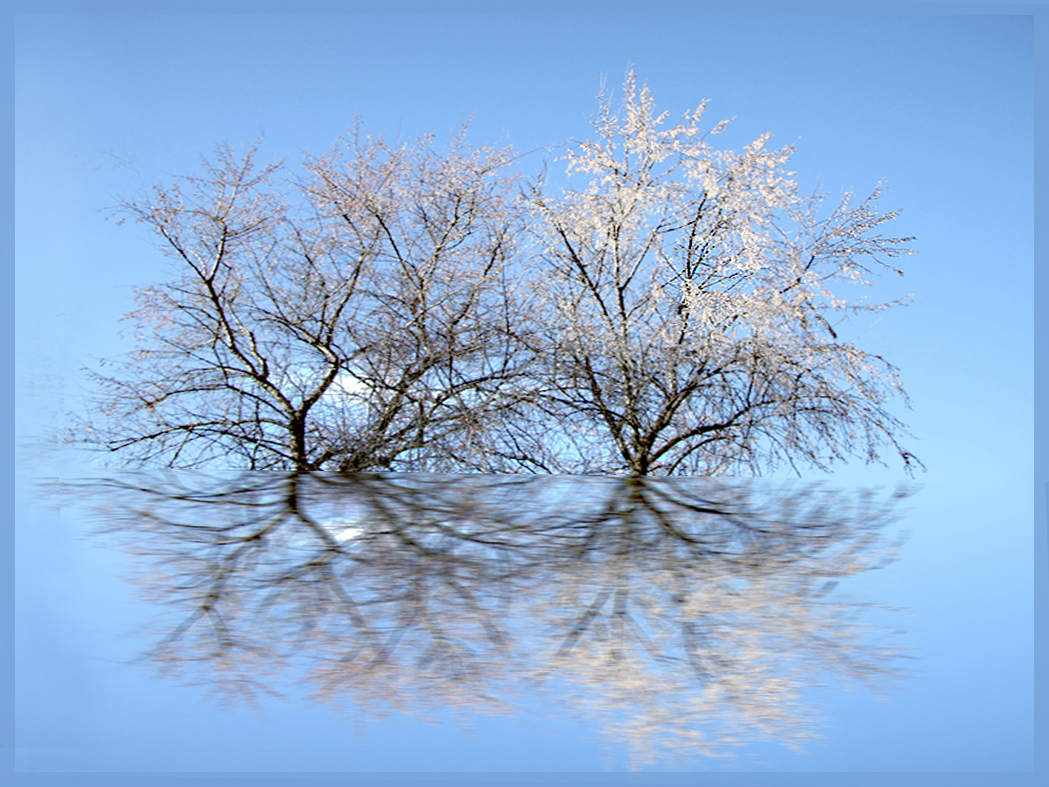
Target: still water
x=392, y=622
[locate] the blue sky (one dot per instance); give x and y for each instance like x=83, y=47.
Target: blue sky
x=940, y=107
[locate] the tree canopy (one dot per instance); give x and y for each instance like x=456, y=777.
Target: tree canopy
x=400, y=307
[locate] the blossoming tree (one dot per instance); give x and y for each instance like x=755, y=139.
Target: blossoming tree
x=691, y=297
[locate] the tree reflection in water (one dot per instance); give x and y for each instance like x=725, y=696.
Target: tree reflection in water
x=688, y=616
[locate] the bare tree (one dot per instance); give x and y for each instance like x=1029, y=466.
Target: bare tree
x=398, y=308
x=691, y=306
x=355, y=317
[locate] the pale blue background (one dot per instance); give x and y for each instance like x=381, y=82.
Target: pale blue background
x=939, y=106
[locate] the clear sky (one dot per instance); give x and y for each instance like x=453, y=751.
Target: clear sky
x=940, y=107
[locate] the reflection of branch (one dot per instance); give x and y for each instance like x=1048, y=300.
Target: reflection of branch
x=697, y=608
x=583, y=622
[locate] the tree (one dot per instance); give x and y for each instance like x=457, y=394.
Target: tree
x=356, y=317
x=689, y=307
x=396, y=308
